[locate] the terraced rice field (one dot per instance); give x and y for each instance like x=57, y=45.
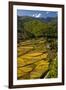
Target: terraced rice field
x=33, y=60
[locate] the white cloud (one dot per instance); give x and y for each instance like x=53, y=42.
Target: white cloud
x=33, y=15
x=47, y=12
x=37, y=15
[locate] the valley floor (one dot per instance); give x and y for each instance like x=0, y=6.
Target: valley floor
x=36, y=58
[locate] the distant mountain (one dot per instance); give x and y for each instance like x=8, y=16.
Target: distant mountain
x=26, y=18
x=48, y=19
x=30, y=27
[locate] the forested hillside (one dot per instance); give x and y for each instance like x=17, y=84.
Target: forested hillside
x=29, y=27
x=37, y=48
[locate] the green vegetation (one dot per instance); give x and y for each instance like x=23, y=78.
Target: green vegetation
x=36, y=48
x=29, y=28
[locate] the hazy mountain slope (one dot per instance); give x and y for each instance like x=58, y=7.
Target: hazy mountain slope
x=29, y=27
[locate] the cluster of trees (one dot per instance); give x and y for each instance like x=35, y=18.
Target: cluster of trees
x=34, y=28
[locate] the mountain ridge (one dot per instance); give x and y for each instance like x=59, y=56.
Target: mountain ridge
x=30, y=27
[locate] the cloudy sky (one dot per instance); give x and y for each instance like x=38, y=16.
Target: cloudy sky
x=36, y=14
